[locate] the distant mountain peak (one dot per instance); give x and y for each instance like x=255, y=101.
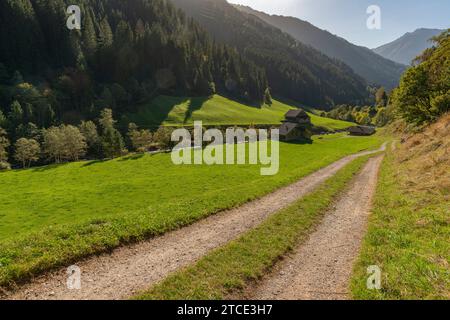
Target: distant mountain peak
x=410, y=45
x=427, y=29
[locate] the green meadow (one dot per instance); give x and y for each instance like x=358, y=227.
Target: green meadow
x=55, y=214
x=217, y=110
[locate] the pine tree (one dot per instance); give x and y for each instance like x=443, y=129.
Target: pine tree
x=15, y=116
x=106, y=34
x=112, y=140
x=4, y=144
x=89, y=35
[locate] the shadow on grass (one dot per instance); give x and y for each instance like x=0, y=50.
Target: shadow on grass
x=295, y=104
x=92, y=162
x=245, y=102
x=49, y=167
x=194, y=105
x=132, y=157
x=300, y=141
x=153, y=113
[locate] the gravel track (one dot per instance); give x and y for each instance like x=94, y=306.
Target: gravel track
x=321, y=267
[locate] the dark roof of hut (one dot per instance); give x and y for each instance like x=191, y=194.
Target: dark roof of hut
x=296, y=114
x=362, y=130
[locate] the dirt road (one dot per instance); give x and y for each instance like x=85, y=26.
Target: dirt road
x=321, y=267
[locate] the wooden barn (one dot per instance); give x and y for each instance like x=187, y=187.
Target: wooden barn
x=361, y=131
x=295, y=126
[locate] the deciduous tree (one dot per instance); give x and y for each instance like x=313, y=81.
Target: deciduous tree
x=424, y=91
x=53, y=143
x=163, y=137
x=64, y=143
x=74, y=143
x=89, y=130
x=140, y=139
x=27, y=151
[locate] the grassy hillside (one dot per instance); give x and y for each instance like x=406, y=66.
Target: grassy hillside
x=217, y=110
x=409, y=230
x=55, y=214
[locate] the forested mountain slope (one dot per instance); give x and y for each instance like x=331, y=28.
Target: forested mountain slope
x=294, y=70
x=372, y=67
x=125, y=52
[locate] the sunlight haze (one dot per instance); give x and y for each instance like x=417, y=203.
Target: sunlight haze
x=347, y=18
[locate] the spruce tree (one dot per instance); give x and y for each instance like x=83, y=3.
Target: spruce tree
x=112, y=140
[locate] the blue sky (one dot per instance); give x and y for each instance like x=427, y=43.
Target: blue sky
x=347, y=18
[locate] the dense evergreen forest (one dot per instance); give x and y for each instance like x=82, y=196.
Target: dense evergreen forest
x=125, y=52
x=294, y=70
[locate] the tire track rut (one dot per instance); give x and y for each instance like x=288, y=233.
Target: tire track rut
x=321, y=267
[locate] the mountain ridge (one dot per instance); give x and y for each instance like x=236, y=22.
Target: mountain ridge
x=408, y=46
x=375, y=69
x=294, y=70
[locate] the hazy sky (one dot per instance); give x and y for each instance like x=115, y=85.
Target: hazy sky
x=347, y=18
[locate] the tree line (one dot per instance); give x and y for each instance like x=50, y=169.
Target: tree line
x=64, y=143
x=378, y=114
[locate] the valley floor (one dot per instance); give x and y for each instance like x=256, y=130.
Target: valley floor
x=131, y=269
x=315, y=225
x=54, y=215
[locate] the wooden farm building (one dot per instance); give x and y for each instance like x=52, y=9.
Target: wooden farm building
x=295, y=126
x=361, y=131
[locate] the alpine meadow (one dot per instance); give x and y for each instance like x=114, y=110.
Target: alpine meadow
x=230, y=150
